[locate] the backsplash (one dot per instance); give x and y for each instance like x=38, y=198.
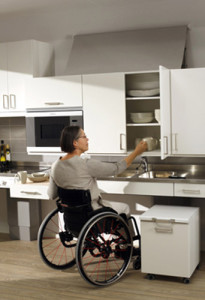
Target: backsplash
x=13, y=132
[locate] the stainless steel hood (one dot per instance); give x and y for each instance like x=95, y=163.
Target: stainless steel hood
x=125, y=51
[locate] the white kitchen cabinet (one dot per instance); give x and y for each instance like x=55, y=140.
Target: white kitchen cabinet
x=18, y=61
x=142, y=96
x=104, y=112
x=170, y=241
x=54, y=92
x=187, y=107
x=152, y=89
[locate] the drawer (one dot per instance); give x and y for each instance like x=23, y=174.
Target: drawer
x=29, y=191
x=189, y=190
x=136, y=188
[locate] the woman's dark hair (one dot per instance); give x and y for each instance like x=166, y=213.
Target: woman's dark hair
x=68, y=135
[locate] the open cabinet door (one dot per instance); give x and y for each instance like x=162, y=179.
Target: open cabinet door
x=165, y=112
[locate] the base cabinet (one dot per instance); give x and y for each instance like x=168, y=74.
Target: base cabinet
x=170, y=240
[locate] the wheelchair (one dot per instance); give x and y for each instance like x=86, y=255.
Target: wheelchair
x=99, y=241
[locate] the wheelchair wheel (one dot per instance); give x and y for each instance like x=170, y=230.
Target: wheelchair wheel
x=56, y=245
x=104, y=249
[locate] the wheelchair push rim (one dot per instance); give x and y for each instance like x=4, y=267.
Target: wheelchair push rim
x=56, y=245
x=104, y=249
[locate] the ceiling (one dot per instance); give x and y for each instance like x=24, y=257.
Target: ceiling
x=59, y=19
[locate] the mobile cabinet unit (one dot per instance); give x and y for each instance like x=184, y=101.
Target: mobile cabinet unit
x=54, y=92
x=18, y=61
x=170, y=241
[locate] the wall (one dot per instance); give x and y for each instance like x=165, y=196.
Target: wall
x=13, y=132
x=196, y=47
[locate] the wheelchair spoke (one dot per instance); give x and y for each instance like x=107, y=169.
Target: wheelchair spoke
x=56, y=246
x=108, y=250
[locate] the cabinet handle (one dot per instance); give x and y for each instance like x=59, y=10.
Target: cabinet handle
x=175, y=142
x=121, y=142
x=5, y=101
x=30, y=193
x=195, y=192
x=13, y=101
x=53, y=103
x=163, y=226
x=166, y=144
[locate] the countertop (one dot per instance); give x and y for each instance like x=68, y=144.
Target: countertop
x=195, y=174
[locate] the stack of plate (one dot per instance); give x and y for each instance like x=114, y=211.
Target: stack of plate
x=142, y=117
x=143, y=93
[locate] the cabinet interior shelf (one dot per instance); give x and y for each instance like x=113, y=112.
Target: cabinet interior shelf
x=143, y=124
x=143, y=98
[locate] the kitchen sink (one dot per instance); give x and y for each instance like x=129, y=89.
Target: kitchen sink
x=127, y=174
x=163, y=174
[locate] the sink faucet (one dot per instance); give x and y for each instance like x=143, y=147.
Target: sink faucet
x=144, y=164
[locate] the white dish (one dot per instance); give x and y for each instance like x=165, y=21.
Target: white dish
x=38, y=178
x=38, y=174
x=142, y=117
x=143, y=93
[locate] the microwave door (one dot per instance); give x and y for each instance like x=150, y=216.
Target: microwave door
x=48, y=130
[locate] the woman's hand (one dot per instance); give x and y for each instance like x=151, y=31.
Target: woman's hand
x=141, y=147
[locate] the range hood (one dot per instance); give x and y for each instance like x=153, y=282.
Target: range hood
x=125, y=51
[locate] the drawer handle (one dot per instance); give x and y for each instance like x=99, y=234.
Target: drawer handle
x=53, y=103
x=30, y=193
x=195, y=192
x=163, y=226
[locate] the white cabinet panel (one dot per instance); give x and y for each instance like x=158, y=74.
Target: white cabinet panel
x=165, y=114
x=29, y=191
x=136, y=188
x=189, y=190
x=104, y=112
x=187, y=106
x=54, y=92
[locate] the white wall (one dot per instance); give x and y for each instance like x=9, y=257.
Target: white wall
x=196, y=47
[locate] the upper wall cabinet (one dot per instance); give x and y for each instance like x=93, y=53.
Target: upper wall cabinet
x=187, y=107
x=54, y=92
x=104, y=112
x=18, y=61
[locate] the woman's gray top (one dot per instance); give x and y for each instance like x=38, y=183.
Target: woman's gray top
x=81, y=173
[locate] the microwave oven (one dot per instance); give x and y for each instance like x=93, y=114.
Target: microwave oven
x=43, y=129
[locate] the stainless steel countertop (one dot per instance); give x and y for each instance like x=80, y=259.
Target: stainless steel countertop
x=195, y=174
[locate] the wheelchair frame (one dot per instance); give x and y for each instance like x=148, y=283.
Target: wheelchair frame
x=102, y=251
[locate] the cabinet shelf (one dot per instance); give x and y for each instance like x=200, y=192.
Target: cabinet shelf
x=143, y=98
x=143, y=124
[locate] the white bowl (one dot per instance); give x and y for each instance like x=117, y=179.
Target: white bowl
x=142, y=117
x=38, y=178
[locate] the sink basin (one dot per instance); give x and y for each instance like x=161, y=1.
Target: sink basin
x=163, y=174
x=127, y=174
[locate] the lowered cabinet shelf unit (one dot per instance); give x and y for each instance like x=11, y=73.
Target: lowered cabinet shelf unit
x=142, y=99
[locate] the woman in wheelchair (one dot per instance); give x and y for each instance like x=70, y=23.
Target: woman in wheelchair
x=74, y=172
x=93, y=233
